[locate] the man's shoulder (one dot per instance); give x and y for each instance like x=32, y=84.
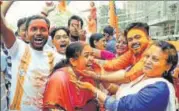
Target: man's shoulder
x=57, y=56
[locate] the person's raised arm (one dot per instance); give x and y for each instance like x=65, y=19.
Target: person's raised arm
x=112, y=77
x=121, y=62
x=7, y=34
x=47, y=9
x=5, y=7
x=87, y=10
x=103, y=54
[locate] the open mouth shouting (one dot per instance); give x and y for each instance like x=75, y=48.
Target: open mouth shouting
x=39, y=41
x=63, y=46
x=89, y=66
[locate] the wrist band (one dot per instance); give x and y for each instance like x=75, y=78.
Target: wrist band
x=44, y=14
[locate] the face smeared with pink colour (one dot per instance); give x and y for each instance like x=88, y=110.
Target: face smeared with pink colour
x=38, y=33
x=121, y=45
x=85, y=59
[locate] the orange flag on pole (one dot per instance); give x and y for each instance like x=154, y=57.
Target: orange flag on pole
x=113, y=18
x=62, y=5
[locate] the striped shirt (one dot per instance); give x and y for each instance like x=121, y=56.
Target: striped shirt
x=3, y=87
x=7, y=71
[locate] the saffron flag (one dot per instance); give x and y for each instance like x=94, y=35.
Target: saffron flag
x=113, y=18
x=62, y=5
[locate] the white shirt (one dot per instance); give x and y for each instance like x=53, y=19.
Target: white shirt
x=37, y=72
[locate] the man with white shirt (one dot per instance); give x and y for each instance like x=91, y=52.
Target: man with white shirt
x=31, y=64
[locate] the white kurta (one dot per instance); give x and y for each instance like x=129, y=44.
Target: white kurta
x=36, y=76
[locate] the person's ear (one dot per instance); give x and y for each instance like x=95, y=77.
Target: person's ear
x=73, y=62
x=149, y=37
x=27, y=37
x=95, y=43
x=18, y=30
x=168, y=67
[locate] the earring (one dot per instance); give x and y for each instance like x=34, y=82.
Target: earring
x=165, y=73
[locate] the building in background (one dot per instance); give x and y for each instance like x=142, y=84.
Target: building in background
x=162, y=16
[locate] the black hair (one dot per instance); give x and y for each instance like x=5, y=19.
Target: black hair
x=93, y=37
x=21, y=22
x=34, y=17
x=140, y=25
x=52, y=33
x=75, y=17
x=172, y=57
x=109, y=30
x=72, y=51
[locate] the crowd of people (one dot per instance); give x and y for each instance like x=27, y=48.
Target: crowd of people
x=44, y=69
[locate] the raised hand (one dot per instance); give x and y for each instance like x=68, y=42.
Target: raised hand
x=86, y=73
x=97, y=67
x=81, y=33
x=95, y=73
x=49, y=7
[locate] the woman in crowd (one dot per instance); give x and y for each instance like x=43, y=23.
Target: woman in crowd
x=60, y=92
x=98, y=43
x=121, y=45
x=153, y=91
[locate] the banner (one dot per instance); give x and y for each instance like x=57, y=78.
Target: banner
x=113, y=18
x=62, y=5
